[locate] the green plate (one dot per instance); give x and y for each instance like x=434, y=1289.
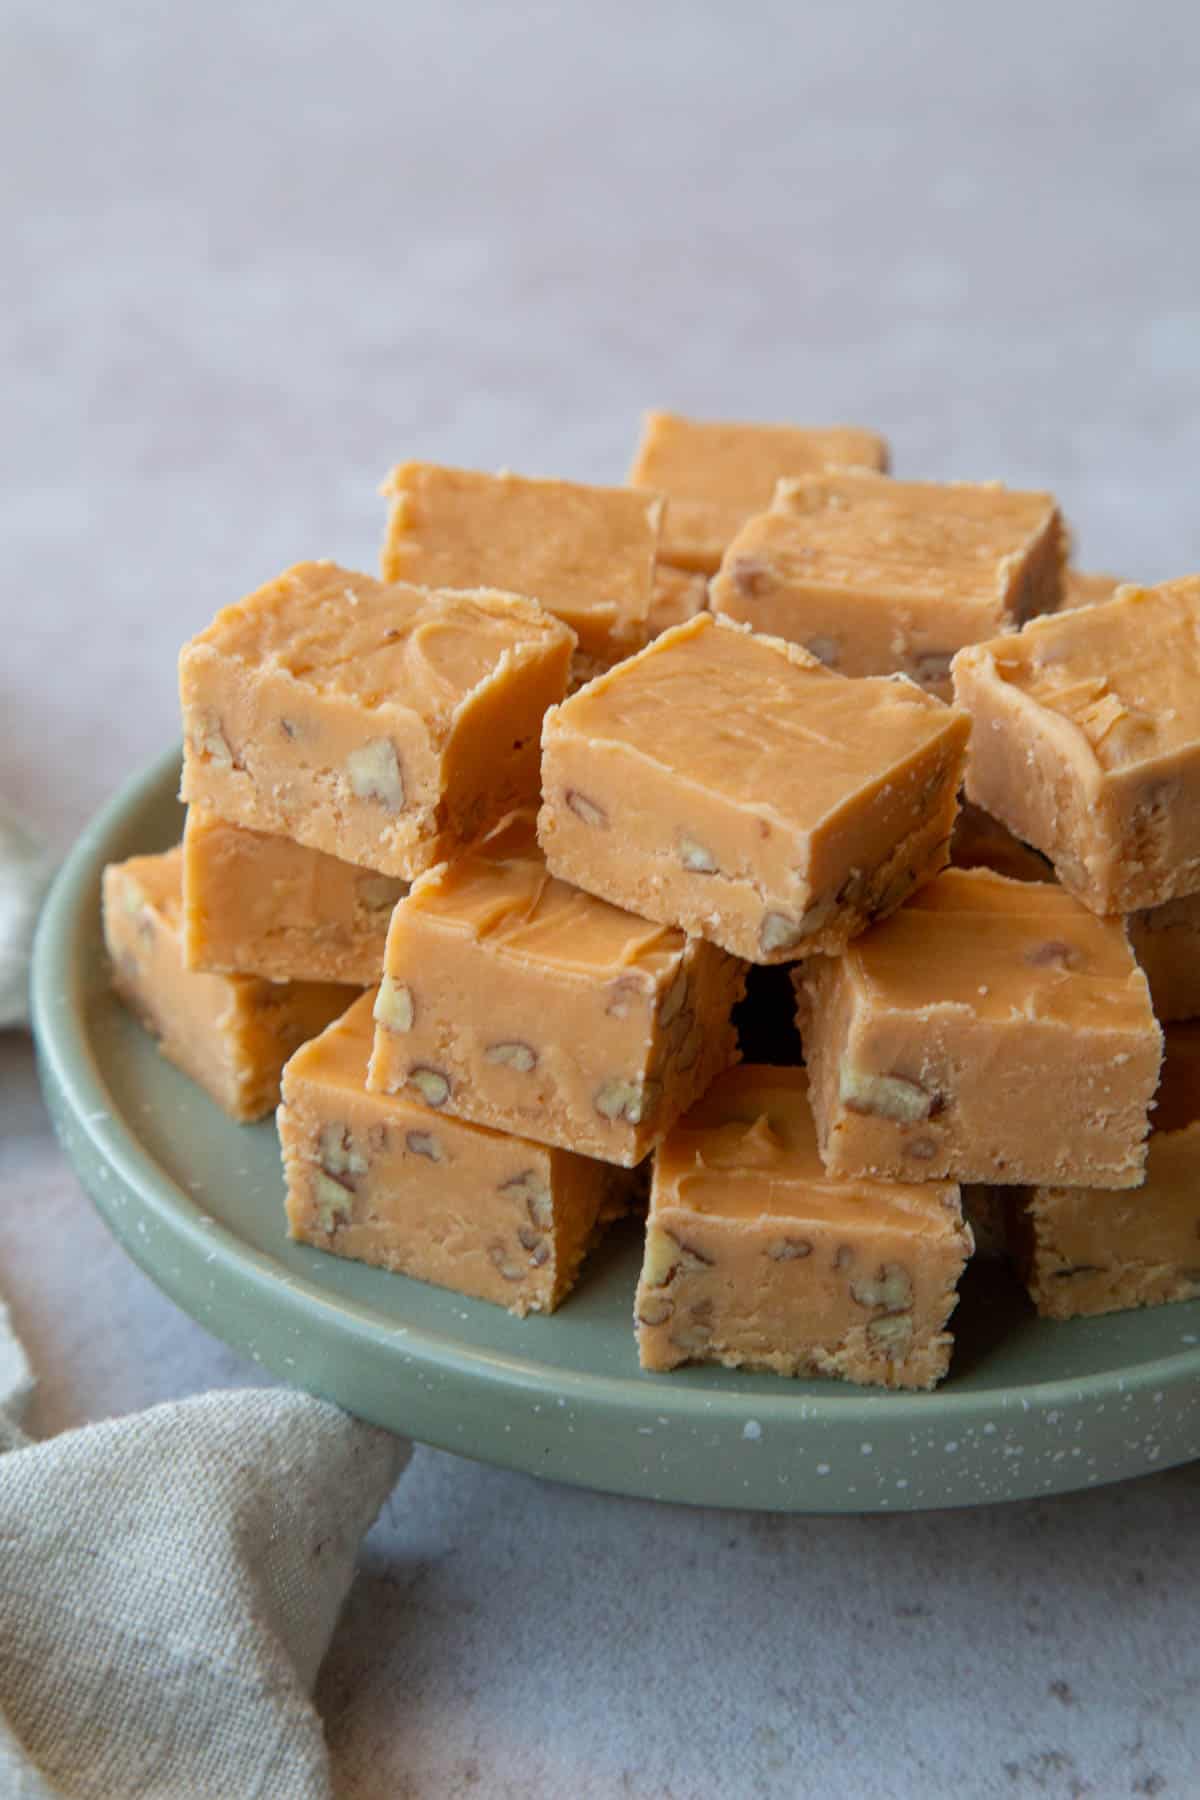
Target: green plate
x=1031, y=1407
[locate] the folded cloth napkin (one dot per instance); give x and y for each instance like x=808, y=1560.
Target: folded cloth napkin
x=24, y=874
x=168, y=1586
x=169, y=1582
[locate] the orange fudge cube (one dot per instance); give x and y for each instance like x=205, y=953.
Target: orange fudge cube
x=991, y=1031
x=375, y=1178
x=584, y=553
x=381, y=724
x=716, y=474
x=756, y=1257
x=1085, y=1251
x=874, y=575
x=1085, y=742
x=521, y=1003
x=231, y=1034
x=735, y=787
x=256, y=904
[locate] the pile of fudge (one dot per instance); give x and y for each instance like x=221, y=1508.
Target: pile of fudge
x=480, y=856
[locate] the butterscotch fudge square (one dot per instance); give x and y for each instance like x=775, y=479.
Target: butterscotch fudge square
x=990, y=1031
x=1085, y=741
x=1083, y=1250
x=373, y=1177
x=586, y=554
x=733, y=786
x=874, y=575
x=1166, y=941
x=257, y=904
x=755, y=1256
x=230, y=1033
x=380, y=724
x=716, y=474
x=519, y=1002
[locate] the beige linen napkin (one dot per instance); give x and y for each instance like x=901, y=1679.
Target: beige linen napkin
x=24, y=874
x=169, y=1582
x=168, y=1587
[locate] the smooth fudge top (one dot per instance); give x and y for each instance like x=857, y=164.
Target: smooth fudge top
x=748, y=1149
x=501, y=894
x=911, y=539
x=717, y=473
x=1001, y=950
x=388, y=648
x=1125, y=673
x=761, y=722
x=585, y=553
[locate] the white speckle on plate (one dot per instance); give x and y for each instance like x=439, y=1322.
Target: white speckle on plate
x=866, y=1449
x=822, y=1468
x=752, y=1430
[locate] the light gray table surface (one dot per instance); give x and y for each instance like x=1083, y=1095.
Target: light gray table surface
x=254, y=254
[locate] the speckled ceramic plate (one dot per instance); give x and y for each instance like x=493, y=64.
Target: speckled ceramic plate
x=1030, y=1407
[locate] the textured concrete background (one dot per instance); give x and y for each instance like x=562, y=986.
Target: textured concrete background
x=252, y=255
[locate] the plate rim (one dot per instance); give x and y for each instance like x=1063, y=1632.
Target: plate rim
x=93, y=1132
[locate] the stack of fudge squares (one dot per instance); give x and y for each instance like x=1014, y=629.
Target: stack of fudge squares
x=496, y=867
